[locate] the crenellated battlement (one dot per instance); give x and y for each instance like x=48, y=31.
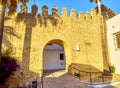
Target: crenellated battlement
x=54, y=21
x=64, y=13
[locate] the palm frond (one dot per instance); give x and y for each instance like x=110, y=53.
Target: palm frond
x=91, y=0
x=94, y=1
x=3, y=2
x=23, y=1
x=12, y=3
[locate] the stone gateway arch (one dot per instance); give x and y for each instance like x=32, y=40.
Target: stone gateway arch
x=27, y=34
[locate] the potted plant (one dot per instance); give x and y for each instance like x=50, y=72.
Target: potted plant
x=112, y=69
x=77, y=74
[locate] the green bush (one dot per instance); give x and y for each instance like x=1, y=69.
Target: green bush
x=77, y=74
x=112, y=68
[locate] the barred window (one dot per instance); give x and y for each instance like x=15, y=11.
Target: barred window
x=117, y=40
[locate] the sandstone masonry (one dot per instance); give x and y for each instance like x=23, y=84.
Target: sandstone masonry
x=27, y=34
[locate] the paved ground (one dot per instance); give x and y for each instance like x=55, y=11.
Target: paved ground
x=105, y=86
x=113, y=86
x=61, y=79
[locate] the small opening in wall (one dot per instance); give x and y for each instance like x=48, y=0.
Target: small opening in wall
x=61, y=56
x=113, y=26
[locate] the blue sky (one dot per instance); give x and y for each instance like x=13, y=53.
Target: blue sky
x=78, y=5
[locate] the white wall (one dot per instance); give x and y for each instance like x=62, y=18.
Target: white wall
x=51, y=58
x=113, y=26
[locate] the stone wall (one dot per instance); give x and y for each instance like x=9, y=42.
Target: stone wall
x=26, y=34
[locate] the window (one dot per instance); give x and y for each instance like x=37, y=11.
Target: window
x=117, y=40
x=61, y=56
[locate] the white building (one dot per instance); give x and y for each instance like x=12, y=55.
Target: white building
x=54, y=54
x=113, y=37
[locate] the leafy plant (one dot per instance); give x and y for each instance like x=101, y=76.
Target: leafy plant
x=77, y=74
x=8, y=65
x=6, y=52
x=112, y=68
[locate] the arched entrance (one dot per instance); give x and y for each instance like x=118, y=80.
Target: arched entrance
x=54, y=57
x=55, y=54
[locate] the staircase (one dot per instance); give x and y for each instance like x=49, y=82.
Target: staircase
x=60, y=79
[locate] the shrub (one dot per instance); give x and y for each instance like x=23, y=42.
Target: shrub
x=7, y=66
x=112, y=68
x=77, y=74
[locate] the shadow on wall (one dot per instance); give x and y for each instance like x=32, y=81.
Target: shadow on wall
x=30, y=20
x=8, y=31
x=21, y=77
x=24, y=75
x=44, y=19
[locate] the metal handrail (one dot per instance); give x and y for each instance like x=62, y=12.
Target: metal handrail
x=89, y=72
